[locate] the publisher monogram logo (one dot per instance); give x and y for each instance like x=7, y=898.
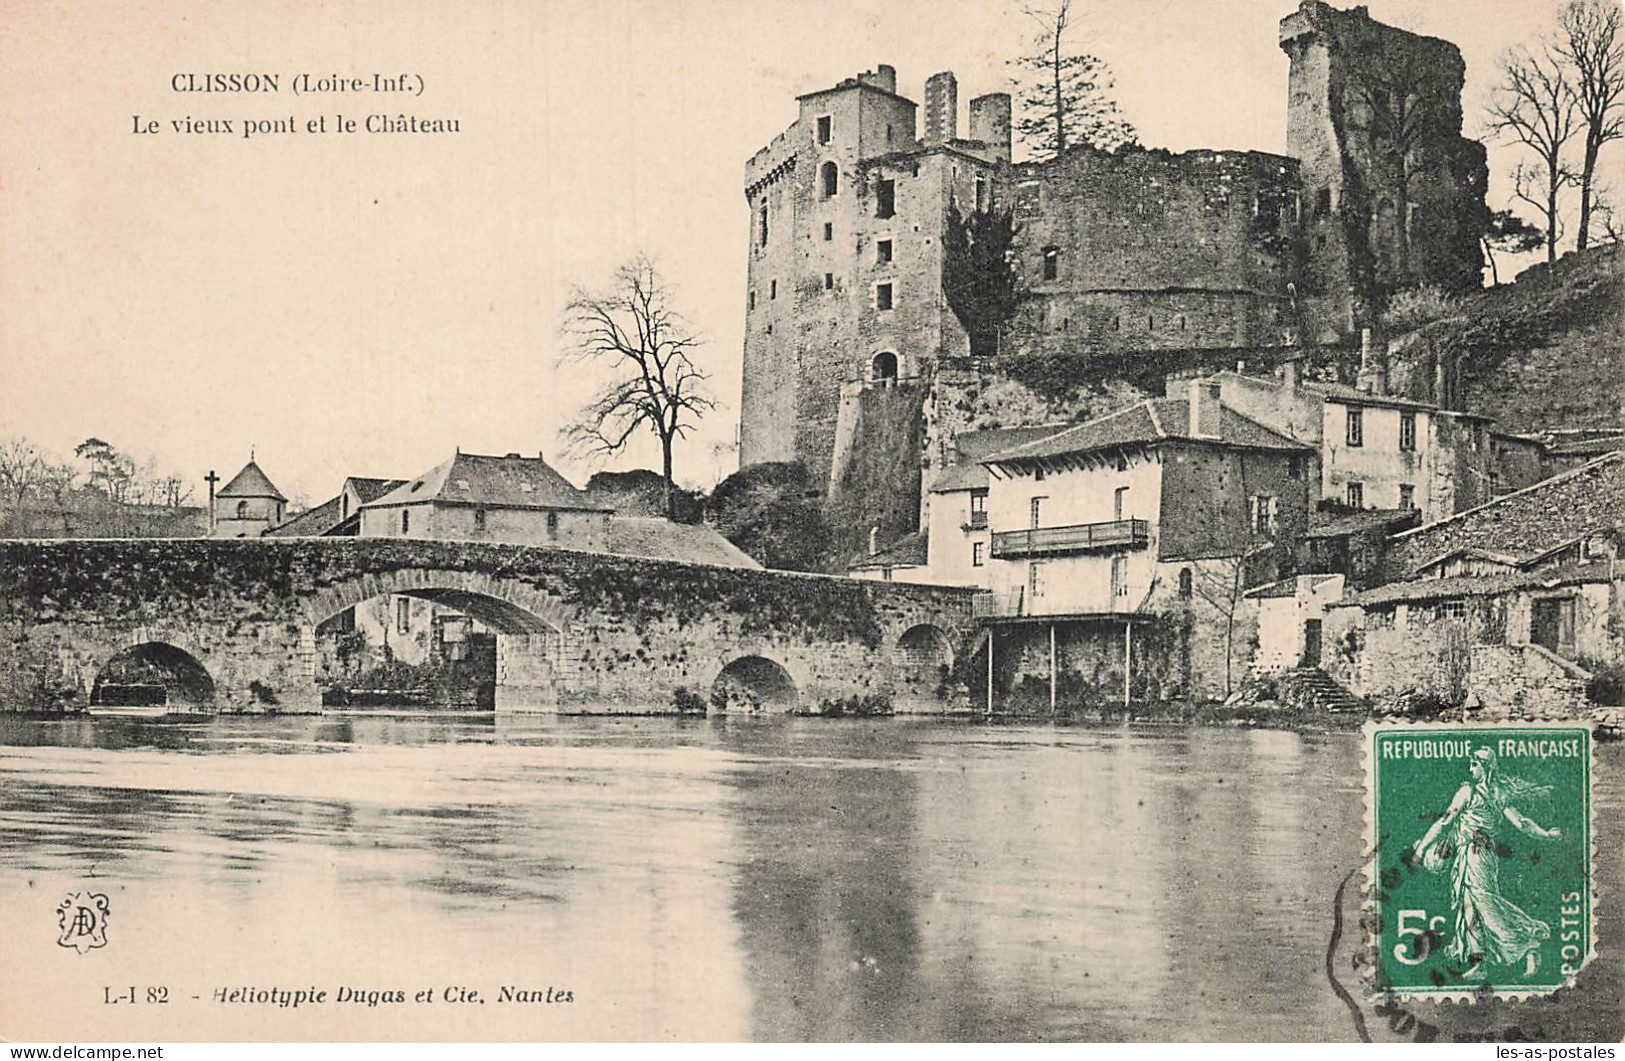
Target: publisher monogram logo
x=82, y=917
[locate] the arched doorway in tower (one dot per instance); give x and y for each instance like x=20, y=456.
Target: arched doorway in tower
x=883, y=369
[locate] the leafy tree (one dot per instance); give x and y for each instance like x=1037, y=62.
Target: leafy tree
x=979, y=275
x=771, y=511
x=1591, y=44
x=630, y=331
x=1536, y=107
x=1064, y=95
x=1509, y=234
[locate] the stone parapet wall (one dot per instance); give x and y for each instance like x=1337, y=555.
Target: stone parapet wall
x=1524, y=681
x=633, y=630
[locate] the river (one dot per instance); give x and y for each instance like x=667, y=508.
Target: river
x=722, y=878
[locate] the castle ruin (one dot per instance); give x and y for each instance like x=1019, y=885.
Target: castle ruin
x=855, y=364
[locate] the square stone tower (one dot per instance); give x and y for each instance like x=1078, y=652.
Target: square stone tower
x=1394, y=194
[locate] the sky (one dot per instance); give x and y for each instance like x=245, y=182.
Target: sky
x=346, y=304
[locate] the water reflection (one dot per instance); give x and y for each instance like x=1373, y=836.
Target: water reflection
x=738, y=878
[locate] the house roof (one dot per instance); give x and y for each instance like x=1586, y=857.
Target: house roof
x=1342, y=392
x=656, y=538
x=513, y=481
x=311, y=523
x=1371, y=519
x=1536, y=537
x=907, y=551
x=250, y=482
x=972, y=446
x=371, y=489
x=1153, y=420
x=1425, y=589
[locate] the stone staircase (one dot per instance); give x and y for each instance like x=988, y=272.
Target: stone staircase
x=1313, y=688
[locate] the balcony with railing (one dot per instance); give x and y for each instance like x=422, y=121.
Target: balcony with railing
x=1018, y=604
x=977, y=521
x=1078, y=538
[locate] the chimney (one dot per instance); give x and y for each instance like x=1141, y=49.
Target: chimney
x=941, y=108
x=1292, y=374
x=990, y=123
x=874, y=540
x=1362, y=379
x=1204, y=408
x=882, y=76
x=1178, y=381
x=1373, y=377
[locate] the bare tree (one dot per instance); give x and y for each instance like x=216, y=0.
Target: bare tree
x=1536, y=106
x=1591, y=43
x=21, y=468
x=1531, y=186
x=1605, y=213
x=1065, y=96
x=630, y=332
x=56, y=483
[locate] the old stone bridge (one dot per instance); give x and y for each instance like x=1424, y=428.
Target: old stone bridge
x=576, y=632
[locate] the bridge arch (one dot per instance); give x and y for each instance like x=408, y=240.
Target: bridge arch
x=133, y=674
x=923, y=656
x=533, y=654
x=754, y=683
x=507, y=606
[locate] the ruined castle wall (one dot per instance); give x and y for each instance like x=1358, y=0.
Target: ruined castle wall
x=1351, y=77
x=1151, y=250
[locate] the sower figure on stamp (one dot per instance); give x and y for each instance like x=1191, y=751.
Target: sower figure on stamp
x=1488, y=927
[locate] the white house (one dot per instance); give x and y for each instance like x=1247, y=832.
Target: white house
x=1163, y=511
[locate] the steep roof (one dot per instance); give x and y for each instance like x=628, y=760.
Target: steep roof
x=311, y=523
x=372, y=489
x=1153, y=420
x=972, y=446
x=250, y=482
x=657, y=538
x=491, y=482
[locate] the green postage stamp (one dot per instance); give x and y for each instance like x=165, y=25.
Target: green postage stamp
x=1481, y=841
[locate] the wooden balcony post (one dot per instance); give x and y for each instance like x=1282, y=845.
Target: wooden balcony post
x=1128, y=648
x=1052, y=669
x=990, y=671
